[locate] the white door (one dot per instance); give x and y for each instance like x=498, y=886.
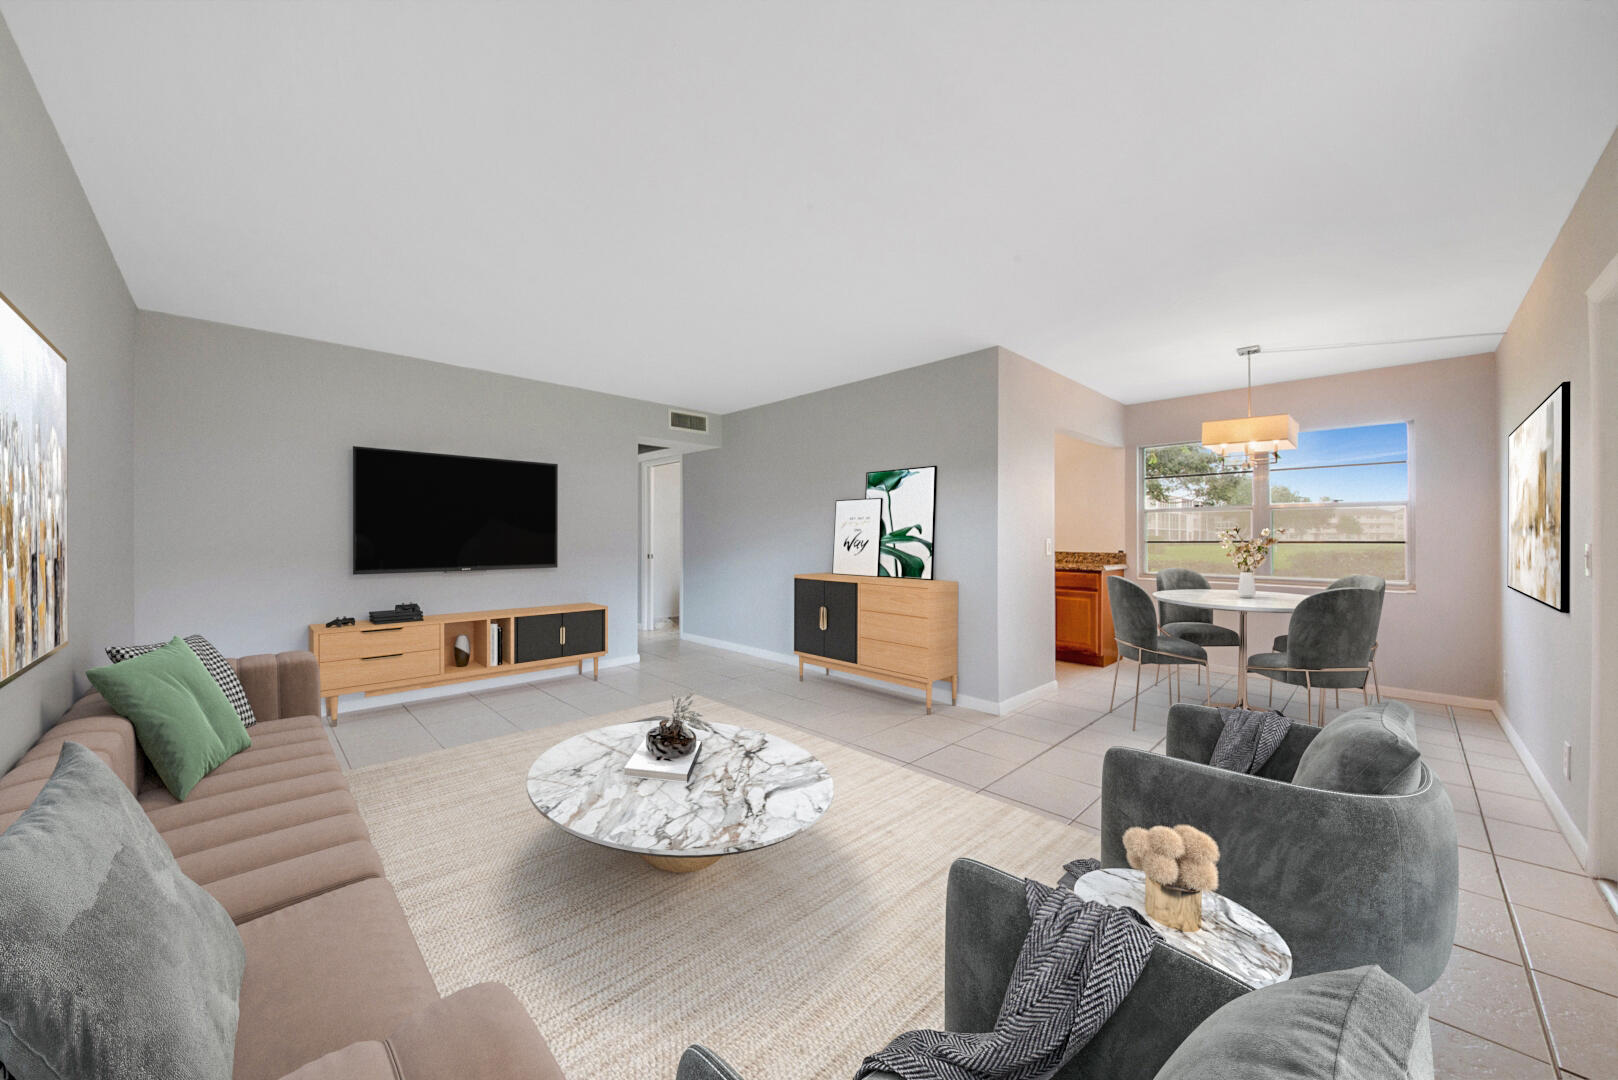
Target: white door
x=664, y=510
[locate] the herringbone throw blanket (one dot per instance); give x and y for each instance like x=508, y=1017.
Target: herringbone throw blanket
x=1079, y=960
x=1249, y=738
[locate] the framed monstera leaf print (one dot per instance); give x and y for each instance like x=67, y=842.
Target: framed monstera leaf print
x=907, y=497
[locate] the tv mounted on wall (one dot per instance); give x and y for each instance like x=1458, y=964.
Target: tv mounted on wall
x=415, y=511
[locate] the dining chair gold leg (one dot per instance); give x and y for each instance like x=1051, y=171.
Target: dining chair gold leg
x=1374, y=681
x=1337, y=698
x=1272, y=692
x=1135, y=713
x=1209, y=695
x=1112, y=702
x=1365, y=692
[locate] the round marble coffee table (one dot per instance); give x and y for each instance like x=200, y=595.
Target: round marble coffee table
x=1232, y=938
x=748, y=790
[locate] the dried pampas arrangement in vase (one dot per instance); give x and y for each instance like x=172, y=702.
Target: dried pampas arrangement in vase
x=1180, y=864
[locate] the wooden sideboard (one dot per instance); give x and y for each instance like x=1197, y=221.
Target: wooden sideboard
x=898, y=630
x=1084, y=633
x=385, y=658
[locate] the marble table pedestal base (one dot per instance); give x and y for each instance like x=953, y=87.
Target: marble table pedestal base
x=676, y=864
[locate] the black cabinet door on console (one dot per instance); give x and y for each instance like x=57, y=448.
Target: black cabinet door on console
x=584, y=632
x=539, y=637
x=842, y=639
x=807, y=598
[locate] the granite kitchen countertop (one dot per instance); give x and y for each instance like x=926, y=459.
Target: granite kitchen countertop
x=1091, y=560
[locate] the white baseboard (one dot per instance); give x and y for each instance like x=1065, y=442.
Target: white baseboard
x=1564, y=821
x=745, y=650
x=1017, y=701
x=354, y=704
x=966, y=701
x=1483, y=704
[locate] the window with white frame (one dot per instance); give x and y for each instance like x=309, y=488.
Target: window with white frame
x=1342, y=496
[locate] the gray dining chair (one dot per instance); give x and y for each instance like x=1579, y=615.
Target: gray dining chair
x=1191, y=623
x=1329, y=643
x=1134, y=624
x=1349, y=581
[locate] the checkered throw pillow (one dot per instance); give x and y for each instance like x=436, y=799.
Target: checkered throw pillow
x=217, y=666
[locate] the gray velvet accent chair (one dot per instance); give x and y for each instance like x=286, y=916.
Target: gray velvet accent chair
x=1329, y=642
x=1134, y=624
x=1182, y=1018
x=1350, y=581
x=1191, y=623
x=1347, y=876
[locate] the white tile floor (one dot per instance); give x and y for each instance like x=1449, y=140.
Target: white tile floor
x=1532, y=987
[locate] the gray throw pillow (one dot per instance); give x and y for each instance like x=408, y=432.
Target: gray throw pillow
x=117, y=965
x=1370, y=751
x=1356, y=1023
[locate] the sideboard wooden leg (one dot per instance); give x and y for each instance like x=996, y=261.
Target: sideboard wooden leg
x=595, y=668
x=331, y=710
x=929, y=699
x=800, y=669
x=952, y=694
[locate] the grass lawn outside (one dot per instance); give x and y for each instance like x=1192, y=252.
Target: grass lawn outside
x=1326, y=561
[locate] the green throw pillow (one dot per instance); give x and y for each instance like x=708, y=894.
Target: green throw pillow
x=183, y=720
x=116, y=963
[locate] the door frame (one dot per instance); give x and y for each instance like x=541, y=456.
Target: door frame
x=1601, y=858
x=646, y=616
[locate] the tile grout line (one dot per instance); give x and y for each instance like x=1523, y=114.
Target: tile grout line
x=1511, y=914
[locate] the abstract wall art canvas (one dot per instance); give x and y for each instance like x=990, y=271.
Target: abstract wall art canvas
x=857, y=537
x=1537, y=456
x=33, y=495
x=907, y=497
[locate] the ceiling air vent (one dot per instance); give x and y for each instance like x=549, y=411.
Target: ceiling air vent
x=687, y=421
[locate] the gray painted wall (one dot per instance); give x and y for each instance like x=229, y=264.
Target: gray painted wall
x=759, y=509
x=55, y=266
x=1444, y=635
x=1035, y=403
x=1546, y=662
x=243, y=494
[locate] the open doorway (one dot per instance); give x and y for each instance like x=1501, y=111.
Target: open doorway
x=662, y=508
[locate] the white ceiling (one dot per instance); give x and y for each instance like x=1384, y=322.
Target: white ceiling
x=723, y=204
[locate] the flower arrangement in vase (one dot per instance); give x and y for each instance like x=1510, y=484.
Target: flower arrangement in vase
x=1179, y=864
x=1247, y=555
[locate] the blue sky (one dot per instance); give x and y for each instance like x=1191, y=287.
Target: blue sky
x=1339, y=446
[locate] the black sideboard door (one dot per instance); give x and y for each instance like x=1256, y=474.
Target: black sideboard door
x=842, y=622
x=539, y=637
x=585, y=632
x=807, y=597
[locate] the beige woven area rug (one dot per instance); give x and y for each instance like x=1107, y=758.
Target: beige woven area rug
x=793, y=962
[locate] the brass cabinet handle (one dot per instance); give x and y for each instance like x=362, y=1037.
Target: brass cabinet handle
x=823, y=616
x=564, y=635
x=388, y=656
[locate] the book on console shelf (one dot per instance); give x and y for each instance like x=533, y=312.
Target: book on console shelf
x=642, y=764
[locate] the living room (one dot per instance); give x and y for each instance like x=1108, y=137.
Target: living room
x=292, y=290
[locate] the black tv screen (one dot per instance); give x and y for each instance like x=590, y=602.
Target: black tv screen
x=415, y=511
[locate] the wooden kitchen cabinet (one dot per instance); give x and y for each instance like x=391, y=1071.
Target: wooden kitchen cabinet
x=1084, y=632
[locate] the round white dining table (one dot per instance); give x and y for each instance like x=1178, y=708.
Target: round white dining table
x=1263, y=603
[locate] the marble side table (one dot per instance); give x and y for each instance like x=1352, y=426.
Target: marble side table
x=748, y=790
x=1232, y=938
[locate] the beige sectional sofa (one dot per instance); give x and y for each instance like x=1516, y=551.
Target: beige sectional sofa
x=334, y=984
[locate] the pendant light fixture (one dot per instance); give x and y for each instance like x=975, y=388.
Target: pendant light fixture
x=1259, y=437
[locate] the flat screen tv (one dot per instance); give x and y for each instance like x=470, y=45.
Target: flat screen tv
x=415, y=511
